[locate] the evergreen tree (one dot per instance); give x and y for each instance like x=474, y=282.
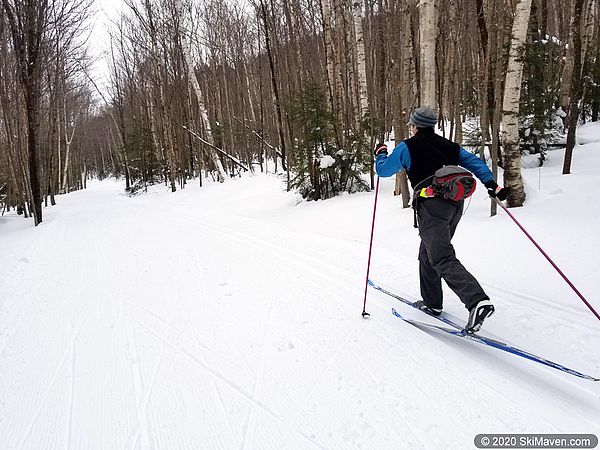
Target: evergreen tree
x=320, y=169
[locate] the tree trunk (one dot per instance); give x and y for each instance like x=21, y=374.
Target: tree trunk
x=510, y=106
x=496, y=61
x=68, y=141
x=576, y=86
x=329, y=67
x=32, y=105
x=427, y=34
x=566, y=79
x=359, y=45
x=276, y=99
x=221, y=175
x=27, y=24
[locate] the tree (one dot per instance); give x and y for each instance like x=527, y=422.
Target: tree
x=28, y=21
x=274, y=85
x=576, y=86
x=428, y=36
x=198, y=92
x=234, y=72
x=510, y=105
x=359, y=45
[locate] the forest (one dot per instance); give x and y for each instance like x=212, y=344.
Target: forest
x=206, y=90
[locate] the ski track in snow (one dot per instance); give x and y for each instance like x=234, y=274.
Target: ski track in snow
x=278, y=252
x=154, y=322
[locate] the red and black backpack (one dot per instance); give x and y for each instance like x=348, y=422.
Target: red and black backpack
x=453, y=183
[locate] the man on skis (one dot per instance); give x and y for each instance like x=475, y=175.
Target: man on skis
x=422, y=155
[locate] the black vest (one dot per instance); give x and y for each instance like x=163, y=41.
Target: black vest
x=428, y=153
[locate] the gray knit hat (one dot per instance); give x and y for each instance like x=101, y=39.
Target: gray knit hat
x=423, y=118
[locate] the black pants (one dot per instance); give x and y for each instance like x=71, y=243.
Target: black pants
x=438, y=219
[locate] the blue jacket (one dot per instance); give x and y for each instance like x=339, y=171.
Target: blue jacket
x=399, y=159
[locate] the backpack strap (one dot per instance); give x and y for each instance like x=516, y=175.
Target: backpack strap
x=420, y=193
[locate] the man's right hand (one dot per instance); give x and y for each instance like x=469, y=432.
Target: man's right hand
x=496, y=191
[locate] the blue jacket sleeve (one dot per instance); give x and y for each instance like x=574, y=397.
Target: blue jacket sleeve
x=399, y=159
x=474, y=164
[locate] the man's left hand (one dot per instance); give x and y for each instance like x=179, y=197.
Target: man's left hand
x=381, y=149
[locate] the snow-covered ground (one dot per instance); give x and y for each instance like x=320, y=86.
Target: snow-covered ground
x=228, y=316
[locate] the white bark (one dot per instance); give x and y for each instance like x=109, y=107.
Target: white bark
x=329, y=52
x=510, y=105
x=587, y=27
x=224, y=153
x=221, y=174
x=357, y=14
x=249, y=93
x=427, y=35
x=68, y=140
x=565, y=79
x=58, y=142
x=158, y=149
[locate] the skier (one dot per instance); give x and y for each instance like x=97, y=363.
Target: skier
x=422, y=155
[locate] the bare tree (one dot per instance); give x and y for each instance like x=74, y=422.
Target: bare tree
x=198, y=92
x=47, y=50
x=274, y=86
x=575, y=92
x=28, y=22
x=235, y=72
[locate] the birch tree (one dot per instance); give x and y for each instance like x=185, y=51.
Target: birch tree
x=198, y=92
x=329, y=55
x=427, y=34
x=357, y=16
x=403, y=88
x=510, y=105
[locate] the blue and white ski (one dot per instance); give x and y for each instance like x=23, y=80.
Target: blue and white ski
x=444, y=317
x=458, y=331
x=495, y=344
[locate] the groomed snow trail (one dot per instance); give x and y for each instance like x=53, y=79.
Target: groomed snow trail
x=198, y=320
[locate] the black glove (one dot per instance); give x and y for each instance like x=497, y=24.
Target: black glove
x=496, y=191
x=381, y=149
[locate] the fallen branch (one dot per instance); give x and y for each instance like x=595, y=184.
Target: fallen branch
x=260, y=137
x=232, y=158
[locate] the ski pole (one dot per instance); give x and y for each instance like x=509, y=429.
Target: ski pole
x=364, y=312
x=548, y=258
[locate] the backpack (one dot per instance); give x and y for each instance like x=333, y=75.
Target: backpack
x=450, y=183
x=453, y=183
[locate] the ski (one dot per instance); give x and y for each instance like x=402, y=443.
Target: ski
x=444, y=317
x=494, y=344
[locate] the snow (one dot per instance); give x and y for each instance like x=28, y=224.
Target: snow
x=228, y=316
x=326, y=161
x=588, y=133
x=560, y=112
